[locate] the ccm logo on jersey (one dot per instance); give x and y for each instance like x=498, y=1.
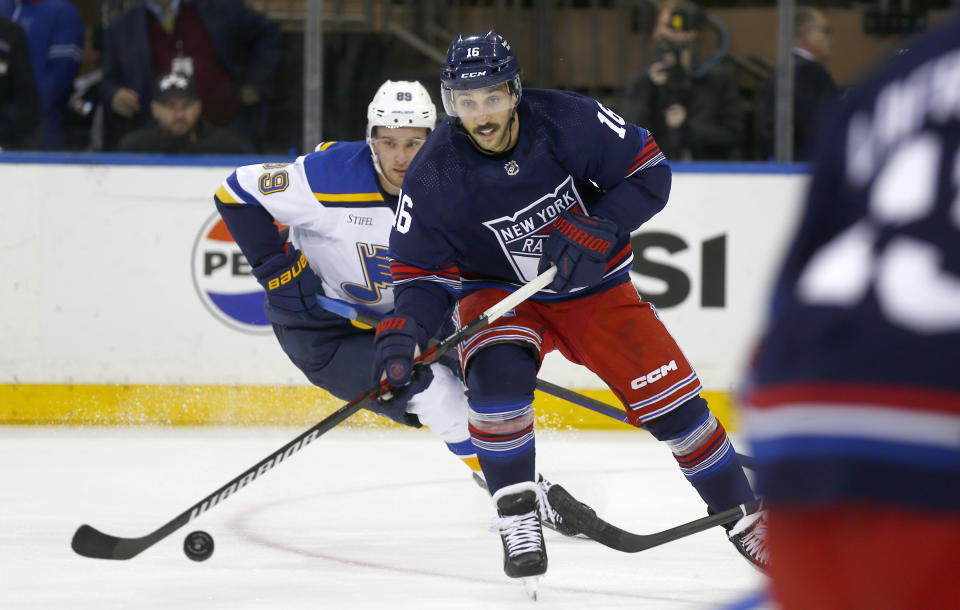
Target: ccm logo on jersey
x=654, y=375
x=289, y=274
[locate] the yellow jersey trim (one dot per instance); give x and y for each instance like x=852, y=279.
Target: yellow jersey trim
x=348, y=196
x=224, y=195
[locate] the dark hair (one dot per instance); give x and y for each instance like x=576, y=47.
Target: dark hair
x=804, y=17
x=686, y=16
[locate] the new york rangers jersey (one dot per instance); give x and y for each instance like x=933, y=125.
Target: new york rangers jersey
x=338, y=217
x=855, y=390
x=468, y=220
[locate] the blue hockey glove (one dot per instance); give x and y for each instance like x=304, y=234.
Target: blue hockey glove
x=396, y=345
x=580, y=246
x=290, y=283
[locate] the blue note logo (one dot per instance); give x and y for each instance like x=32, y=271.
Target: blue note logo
x=222, y=278
x=376, y=273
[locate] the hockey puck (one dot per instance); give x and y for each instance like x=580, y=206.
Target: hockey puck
x=198, y=545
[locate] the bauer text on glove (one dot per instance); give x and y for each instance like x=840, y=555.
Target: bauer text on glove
x=290, y=283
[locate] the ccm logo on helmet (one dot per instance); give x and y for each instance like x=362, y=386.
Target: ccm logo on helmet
x=473, y=74
x=654, y=375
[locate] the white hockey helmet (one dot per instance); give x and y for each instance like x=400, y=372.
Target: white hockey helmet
x=401, y=103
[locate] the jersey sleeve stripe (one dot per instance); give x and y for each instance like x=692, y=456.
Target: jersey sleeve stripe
x=617, y=259
x=922, y=399
x=241, y=194
x=225, y=196
x=352, y=197
x=447, y=276
x=401, y=270
x=447, y=284
x=650, y=155
x=69, y=51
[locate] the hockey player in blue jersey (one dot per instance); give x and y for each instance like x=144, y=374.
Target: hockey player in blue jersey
x=339, y=203
x=513, y=181
x=854, y=393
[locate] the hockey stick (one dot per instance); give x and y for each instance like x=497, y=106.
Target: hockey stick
x=91, y=542
x=371, y=318
x=604, y=409
x=368, y=317
x=584, y=518
x=350, y=311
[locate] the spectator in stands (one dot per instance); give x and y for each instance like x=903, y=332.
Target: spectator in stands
x=694, y=110
x=83, y=127
x=19, y=103
x=55, y=33
x=230, y=50
x=180, y=127
x=813, y=87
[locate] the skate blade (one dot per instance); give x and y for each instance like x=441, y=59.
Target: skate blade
x=530, y=586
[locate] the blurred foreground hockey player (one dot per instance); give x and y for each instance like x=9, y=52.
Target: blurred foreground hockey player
x=511, y=183
x=339, y=203
x=854, y=394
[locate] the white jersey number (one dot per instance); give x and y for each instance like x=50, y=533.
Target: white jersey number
x=403, y=218
x=912, y=287
x=612, y=120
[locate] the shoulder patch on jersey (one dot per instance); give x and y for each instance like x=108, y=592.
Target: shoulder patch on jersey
x=231, y=192
x=341, y=174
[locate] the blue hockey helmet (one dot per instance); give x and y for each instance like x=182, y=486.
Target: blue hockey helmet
x=478, y=61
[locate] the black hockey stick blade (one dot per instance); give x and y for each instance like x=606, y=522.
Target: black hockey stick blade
x=91, y=542
x=584, y=517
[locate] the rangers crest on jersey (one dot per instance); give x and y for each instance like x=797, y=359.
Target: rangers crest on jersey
x=521, y=235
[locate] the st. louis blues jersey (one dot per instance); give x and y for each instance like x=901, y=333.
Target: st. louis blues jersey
x=337, y=214
x=854, y=393
x=467, y=220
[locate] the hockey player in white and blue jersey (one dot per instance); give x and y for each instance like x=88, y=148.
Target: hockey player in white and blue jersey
x=339, y=203
x=510, y=184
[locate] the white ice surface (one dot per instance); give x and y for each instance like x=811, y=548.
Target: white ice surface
x=359, y=519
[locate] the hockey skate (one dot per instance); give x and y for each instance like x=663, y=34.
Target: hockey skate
x=524, y=551
x=551, y=518
x=749, y=535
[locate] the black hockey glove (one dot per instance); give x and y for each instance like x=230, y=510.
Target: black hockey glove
x=580, y=246
x=291, y=285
